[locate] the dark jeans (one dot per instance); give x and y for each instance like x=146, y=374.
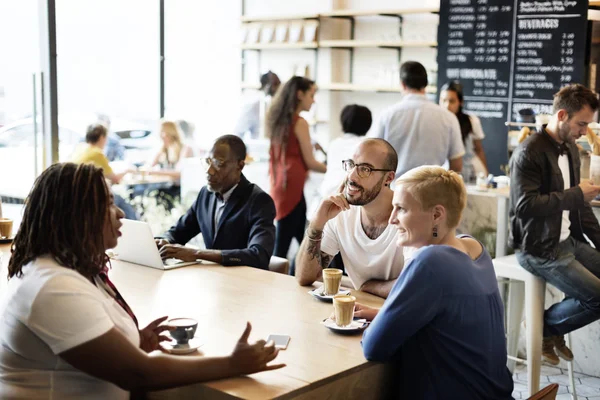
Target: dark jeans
x=576, y=272
x=290, y=227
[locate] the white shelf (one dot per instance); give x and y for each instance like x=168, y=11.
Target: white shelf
x=339, y=13
x=290, y=17
x=352, y=87
x=366, y=13
x=375, y=43
x=279, y=46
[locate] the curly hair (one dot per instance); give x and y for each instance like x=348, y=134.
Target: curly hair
x=64, y=218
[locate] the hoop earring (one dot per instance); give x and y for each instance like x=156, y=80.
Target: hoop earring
x=435, y=232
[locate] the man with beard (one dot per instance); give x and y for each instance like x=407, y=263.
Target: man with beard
x=550, y=213
x=354, y=223
x=234, y=216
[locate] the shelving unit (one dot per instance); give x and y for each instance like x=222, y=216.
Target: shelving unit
x=343, y=44
x=348, y=45
x=383, y=13
x=279, y=46
x=594, y=3
x=271, y=18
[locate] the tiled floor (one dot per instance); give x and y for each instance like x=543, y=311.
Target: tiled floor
x=588, y=387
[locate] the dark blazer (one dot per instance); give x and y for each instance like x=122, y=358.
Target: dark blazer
x=538, y=197
x=245, y=233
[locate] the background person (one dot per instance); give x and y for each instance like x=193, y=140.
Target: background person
x=474, y=161
x=252, y=115
x=291, y=157
x=422, y=132
x=91, y=152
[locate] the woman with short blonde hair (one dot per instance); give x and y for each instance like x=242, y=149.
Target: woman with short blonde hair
x=443, y=321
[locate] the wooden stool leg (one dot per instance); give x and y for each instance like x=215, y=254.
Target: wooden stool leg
x=535, y=292
x=514, y=311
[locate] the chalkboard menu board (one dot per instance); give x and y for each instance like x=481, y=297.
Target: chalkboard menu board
x=510, y=55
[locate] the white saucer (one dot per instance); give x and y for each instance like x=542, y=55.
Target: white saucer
x=357, y=325
x=191, y=346
x=318, y=293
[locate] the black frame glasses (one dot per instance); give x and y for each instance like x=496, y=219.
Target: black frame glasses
x=363, y=170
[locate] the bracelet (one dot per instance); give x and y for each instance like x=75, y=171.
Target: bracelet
x=315, y=238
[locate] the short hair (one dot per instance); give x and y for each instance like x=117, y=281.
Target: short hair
x=573, y=98
x=413, y=75
x=236, y=145
x=391, y=161
x=356, y=119
x=432, y=185
x=95, y=132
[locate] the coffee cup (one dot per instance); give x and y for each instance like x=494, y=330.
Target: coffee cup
x=332, y=278
x=6, y=225
x=343, y=309
x=185, y=328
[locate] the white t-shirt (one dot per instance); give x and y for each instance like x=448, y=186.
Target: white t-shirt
x=49, y=310
x=364, y=258
x=422, y=132
x=563, y=164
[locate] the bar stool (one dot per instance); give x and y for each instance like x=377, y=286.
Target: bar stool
x=529, y=290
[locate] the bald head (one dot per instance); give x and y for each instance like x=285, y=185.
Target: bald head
x=390, y=160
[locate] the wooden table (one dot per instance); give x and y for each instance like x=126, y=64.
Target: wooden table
x=320, y=364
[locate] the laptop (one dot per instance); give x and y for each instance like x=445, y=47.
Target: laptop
x=136, y=245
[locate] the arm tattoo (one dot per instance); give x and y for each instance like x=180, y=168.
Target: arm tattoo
x=314, y=249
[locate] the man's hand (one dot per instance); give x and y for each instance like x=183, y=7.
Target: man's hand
x=151, y=336
x=161, y=242
x=250, y=358
x=330, y=208
x=590, y=191
x=178, y=251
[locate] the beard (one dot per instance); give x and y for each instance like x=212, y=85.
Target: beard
x=564, y=133
x=366, y=196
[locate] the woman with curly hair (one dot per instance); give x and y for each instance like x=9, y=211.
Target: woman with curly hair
x=65, y=330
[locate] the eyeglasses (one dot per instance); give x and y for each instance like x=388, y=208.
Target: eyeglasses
x=363, y=170
x=212, y=162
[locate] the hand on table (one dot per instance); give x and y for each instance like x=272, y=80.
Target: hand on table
x=249, y=358
x=362, y=311
x=151, y=336
x=178, y=251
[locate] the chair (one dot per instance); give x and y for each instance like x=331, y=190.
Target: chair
x=279, y=265
x=547, y=393
x=529, y=290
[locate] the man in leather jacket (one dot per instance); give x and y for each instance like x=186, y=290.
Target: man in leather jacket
x=550, y=214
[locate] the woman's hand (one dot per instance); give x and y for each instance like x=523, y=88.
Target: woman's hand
x=250, y=358
x=362, y=311
x=150, y=336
